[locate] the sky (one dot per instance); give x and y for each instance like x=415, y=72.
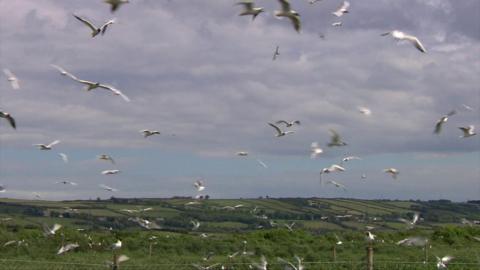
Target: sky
x=204, y=77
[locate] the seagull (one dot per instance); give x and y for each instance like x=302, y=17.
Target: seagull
x=363, y=176
x=466, y=107
x=413, y=241
x=412, y=222
x=119, y=259
x=315, y=150
x=342, y=9
x=107, y=188
x=364, y=110
x=67, y=247
x=276, y=53
x=332, y=168
x=262, y=265
x=116, y=245
x=47, y=231
x=65, y=182
x=290, y=226
x=289, y=13
x=290, y=265
x=199, y=185
x=48, y=146
x=398, y=35
x=249, y=9
x=443, y=262
x=468, y=131
x=370, y=236
x=64, y=157
x=196, y=225
x=288, y=124
x=313, y=1
x=148, y=133
x=107, y=158
x=263, y=164
x=335, y=139
x=441, y=121
x=115, y=4
x=346, y=159
x=107, y=172
x=338, y=185
x=9, y=118
x=280, y=133
x=394, y=172
x=12, y=79
x=2, y=189
x=95, y=30
x=339, y=242
x=242, y=154
x=149, y=225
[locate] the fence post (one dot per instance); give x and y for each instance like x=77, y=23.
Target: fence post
x=150, y=250
x=425, y=253
x=114, y=262
x=370, y=257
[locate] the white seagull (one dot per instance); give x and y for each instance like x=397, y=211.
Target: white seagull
x=442, y=263
x=250, y=9
x=337, y=184
x=64, y=157
x=370, y=236
x=116, y=245
x=313, y=1
x=337, y=24
x=280, y=133
x=398, y=35
x=242, y=153
x=410, y=223
x=115, y=4
x=441, y=121
x=12, y=79
x=289, y=265
x=290, y=226
x=288, y=124
x=107, y=188
x=346, y=159
x=364, y=110
x=107, y=172
x=67, y=248
x=148, y=133
x=196, y=225
x=47, y=231
x=199, y=185
x=47, y=146
x=468, y=131
x=2, y=189
x=262, y=265
x=332, y=168
x=289, y=13
x=263, y=164
x=413, y=241
x=276, y=53
x=106, y=158
x=9, y=118
x=95, y=30
x=315, y=150
x=65, y=182
x=342, y=9
x=392, y=171
x=119, y=259
x=335, y=139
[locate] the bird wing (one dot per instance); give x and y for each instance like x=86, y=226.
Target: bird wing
x=262, y=163
x=122, y=258
x=335, y=136
x=337, y=167
x=64, y=157
x=86, y=22
x=415, y=218
x=447, y=259
x=65, y=73
x=247, y=4
x=295, y=19
x=416, y=42
x=104, y=27
x=114, y=90
x=56, y=227
x=279, y=131
x=289, y=264
x=285, y=5
x=8, y=73
x=11, y=121
x=53, y=143
x=281, y=122
x=438, y=126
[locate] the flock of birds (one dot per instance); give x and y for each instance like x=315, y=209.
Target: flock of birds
x=281, y=128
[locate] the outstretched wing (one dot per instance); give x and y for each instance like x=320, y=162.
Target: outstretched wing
x=279, y=131
x=285, y=5
x=86, y=22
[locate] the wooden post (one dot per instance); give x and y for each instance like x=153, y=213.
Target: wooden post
x=370, y=257
x=334, y=252
x=425, y=253
x=114, y=262
x=150, y=250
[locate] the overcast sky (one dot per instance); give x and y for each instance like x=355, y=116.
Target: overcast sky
x=204, y=77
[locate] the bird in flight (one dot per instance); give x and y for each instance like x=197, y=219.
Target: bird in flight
x=342, y=9
x=288, y=124
x=370, y=236
x=2, y=189
x=65, y=182
x=468, y=131
x=289, y=226
x=107, y=172
x=392, y=171
x=280, y=133
x=47, y=146
x=347, y=159
x=67, y=248
x=337, y=184
x=48, y=231
x=364, y=110
x=242, y=153
x=289, y=13
x=276, y=53
x=250, y=9
x=12, y=79
x=441, y=121
x=335, y=139
x=106, y=158
x=442, y=263
x=9, y=118
x=107, y=188
x=199, y=185
x=115, y=4
x=64, y=157
x=196, y=225
x=148, y=133
x=313, y=1
x=337, y=24
x=315, y=150
x=289, y=265
x=95, y=30
x=410, y=223
x=398, y=35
